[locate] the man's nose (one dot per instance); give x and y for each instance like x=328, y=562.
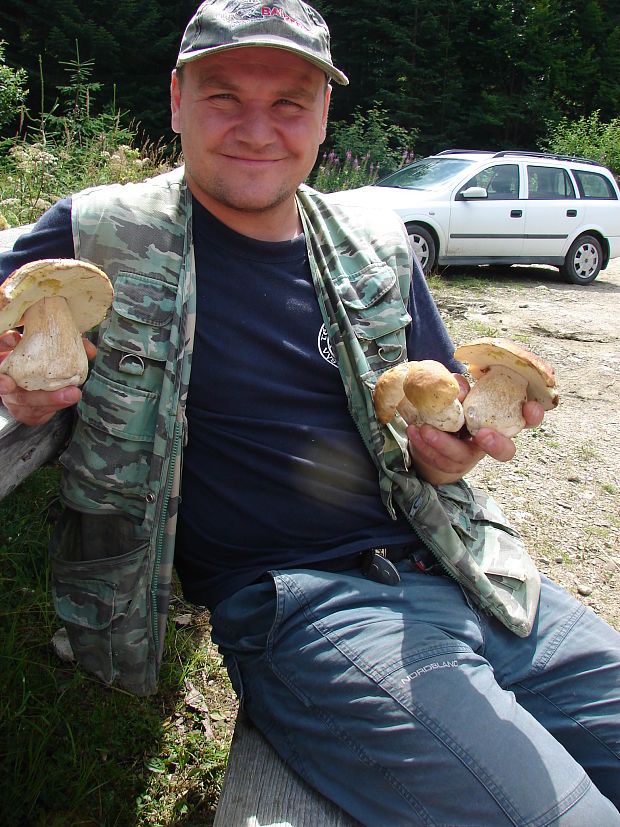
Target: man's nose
x=255, y=126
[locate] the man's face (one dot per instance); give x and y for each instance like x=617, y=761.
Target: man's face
x=251, y=121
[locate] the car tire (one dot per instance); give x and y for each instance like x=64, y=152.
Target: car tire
x=583, y=261
x=423, y=245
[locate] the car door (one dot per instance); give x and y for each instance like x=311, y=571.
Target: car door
x=489, y=226
x=599, y=197
x=553, y=213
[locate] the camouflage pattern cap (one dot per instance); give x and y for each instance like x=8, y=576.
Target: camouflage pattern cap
x=292, y=25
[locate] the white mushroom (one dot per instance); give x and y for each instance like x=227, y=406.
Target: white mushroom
x=56, y=300
x=423, y=391
x=507, y=375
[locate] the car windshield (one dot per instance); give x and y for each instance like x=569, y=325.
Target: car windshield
x=425, y=174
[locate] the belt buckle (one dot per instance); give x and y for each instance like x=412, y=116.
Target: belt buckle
x=377, y=567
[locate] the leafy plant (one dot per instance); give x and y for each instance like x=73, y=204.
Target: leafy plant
x=71, y=148
x=334, y=174
x=12, y=91
x=373, y=136
x=588, y=137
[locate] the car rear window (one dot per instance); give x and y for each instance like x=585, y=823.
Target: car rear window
x=594, y=185
x=548, y=183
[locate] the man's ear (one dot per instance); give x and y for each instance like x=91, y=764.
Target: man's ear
x=175, y=102
x=328, y=94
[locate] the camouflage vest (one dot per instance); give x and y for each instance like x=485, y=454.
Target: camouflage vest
x=112, y=553
x=359, y=280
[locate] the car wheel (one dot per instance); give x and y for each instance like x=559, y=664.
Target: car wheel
x=423, y=245
x=583, y=260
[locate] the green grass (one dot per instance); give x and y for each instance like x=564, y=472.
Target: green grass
x=76, y=752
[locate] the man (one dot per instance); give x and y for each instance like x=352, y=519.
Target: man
x=374, y=674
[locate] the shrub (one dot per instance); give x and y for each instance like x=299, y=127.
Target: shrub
x=362, y=150
x=372, y=135
x=334, y=174
x=72, y=148
x=587, y=137
x=12, y=92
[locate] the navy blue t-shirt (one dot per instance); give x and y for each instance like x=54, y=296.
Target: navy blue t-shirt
x=275, y=474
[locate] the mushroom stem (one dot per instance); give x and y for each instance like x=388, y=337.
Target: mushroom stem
x=496, y=401
x=50, y=354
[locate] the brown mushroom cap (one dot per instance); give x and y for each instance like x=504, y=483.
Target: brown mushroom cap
x=86, y=289
x=482, y=354
x=423, y=391
x=430, y=386
x=389, y=392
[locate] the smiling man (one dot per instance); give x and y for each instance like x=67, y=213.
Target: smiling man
x=227, y=427
x=250, y=122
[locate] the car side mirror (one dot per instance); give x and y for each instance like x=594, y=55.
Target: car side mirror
x=473, y=192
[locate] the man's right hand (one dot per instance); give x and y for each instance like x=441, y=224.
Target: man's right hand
x=35, y=407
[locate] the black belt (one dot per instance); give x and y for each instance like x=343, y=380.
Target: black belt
x=379, y=564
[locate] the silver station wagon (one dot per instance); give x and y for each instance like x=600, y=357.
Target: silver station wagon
x=509, y=207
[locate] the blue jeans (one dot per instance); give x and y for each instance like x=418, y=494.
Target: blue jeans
x=406, y=706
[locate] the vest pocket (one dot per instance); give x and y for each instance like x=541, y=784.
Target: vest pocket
x=103, y=601
x=377, y=313
x=113, y=439
x=502, y=573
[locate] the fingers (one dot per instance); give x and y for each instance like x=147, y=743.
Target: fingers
x=533, y=413
x=463, y=385
x=443, y=451
x=8, y=341
x=89, y=347
x=499, y=447
x=35, y=407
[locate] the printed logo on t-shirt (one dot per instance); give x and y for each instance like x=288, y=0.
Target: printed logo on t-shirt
x=325, y=347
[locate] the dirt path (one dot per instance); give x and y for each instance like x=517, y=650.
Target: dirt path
x=562, y=490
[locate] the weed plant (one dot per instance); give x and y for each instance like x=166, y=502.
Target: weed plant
x=70, y=148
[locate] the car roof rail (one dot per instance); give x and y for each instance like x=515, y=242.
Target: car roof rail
x=549, y=155
x=463, y=151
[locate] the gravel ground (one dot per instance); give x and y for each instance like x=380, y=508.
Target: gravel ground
x=562, y=489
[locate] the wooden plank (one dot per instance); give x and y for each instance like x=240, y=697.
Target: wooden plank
x=10, y=236
x=260, y=790
x=24, y=448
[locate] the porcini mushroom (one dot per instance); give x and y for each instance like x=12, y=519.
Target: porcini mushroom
x=56, y=300
x=423, y=391
x=507, y=375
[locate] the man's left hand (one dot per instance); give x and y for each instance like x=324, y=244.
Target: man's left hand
x=441, y=457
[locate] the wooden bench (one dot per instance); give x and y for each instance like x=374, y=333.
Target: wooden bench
x=259, y=789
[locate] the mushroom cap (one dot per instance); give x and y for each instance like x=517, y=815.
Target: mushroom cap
x=389, y=392
x=423, y=391
x=86, y=289
x=430, y=386
x=482, y=354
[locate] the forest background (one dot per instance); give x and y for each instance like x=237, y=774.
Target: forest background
x=451, y=73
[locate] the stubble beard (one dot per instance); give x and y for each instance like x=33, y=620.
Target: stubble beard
x=220, y=191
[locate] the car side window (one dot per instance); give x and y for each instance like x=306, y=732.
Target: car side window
x=594, y=185
x=500, y=181
x=548, y=183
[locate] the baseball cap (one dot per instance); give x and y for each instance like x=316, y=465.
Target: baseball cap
x=291, y=25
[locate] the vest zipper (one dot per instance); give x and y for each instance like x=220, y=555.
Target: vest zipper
x=177, y=433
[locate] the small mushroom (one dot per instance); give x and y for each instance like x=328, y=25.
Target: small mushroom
x=55, y=300
x=423, y=391
x=507, y=375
